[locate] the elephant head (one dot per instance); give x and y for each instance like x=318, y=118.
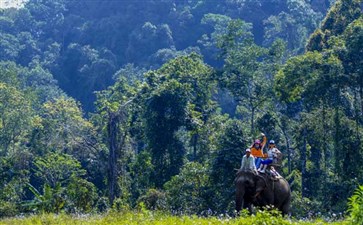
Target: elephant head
x=248, y=186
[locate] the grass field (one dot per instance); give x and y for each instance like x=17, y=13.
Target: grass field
x=146, y=218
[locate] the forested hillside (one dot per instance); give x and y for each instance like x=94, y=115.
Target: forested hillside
x=84, y=43
x=130, y=104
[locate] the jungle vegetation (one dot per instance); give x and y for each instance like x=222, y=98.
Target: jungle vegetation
x=128, y=104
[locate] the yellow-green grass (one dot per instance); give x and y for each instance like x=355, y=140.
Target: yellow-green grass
x=146, y=218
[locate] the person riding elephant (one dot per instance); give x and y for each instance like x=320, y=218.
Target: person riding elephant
x=248, y=161
x=272, y=153
x=260, y=190
x=257, y=149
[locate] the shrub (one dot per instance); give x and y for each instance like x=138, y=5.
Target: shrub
x=153, y=199
x=7, y=209
x=120, y=204
x=303, y=207
x=81, y=194
x=186, y=191
x=355, y=206
x=102, y=204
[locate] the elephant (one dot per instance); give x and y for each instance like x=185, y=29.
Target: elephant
x=260, y=190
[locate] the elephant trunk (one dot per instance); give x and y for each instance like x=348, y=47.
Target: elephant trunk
x=239, y=198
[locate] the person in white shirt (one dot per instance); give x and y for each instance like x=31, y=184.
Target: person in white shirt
x=248, y=161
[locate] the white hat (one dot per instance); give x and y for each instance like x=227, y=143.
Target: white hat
x=248, y=150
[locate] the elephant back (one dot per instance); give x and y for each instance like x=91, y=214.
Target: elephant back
x=241, y=173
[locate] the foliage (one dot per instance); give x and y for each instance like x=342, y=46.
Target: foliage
x=63, y=187
x=13, y=190
x=186, y=191
x=246, y=68
x=182, y=87
x=230, y=147
x=303, y=207
x=293, y=25
x=340, y=15
x=15, y=117
x=84, y=43
x=153, y=199
x=322, y=84
x=165, y=115
x=82, y=194
x=62, y=128
x=142, y=170
x=52, y=199
x=294, y=79
x=181, y=99
x=56, y=168
x=8, y=209
x=355, y=205
x=147, y=217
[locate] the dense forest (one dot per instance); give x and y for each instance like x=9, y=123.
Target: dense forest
x=128, y=104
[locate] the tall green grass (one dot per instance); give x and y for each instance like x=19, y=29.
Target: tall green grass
x=158, y=218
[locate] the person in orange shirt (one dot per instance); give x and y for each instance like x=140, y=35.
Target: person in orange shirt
x=257, y=149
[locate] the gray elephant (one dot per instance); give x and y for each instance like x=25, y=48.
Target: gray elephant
x=261, y=190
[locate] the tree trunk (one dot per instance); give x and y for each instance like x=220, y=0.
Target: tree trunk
x=283, y=126
x=303, y=164
x=325, y=153
x=195, y=143
x=337, y=136
x=116, y=141
x=360, y=114
x=337, y=142
x=252, y=119
x=361, y=94
x=288, y=151
x=112, y=158
x=357, y=113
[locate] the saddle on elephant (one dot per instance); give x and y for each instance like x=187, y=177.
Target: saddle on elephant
x=272, y=173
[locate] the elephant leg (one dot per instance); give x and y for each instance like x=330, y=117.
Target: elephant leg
x=247, y=205
x=284, y=206
x=239, y=202
x=285, y=209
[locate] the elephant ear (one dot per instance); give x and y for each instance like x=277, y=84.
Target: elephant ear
x=260, y=183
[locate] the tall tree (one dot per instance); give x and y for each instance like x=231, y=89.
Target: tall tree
x=114, y=106
x=180, y=97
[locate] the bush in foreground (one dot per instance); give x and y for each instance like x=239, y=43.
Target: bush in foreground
x=148, y=217
x=355, y=205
